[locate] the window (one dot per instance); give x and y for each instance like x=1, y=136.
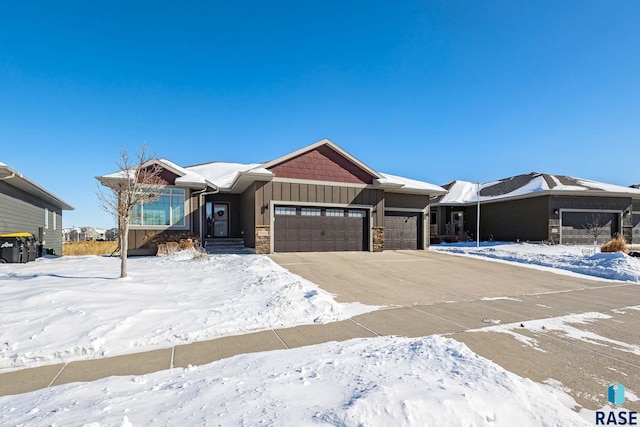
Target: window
x=167, y=209
x=310, y=211
x=46, y=218
x=334, y=212
x=53, y=217
x=285, y=210
x=357, y=214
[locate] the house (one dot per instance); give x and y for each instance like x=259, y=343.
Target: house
x=85, y=234
x=25, y=206
x=318, y=198
x=538, y=207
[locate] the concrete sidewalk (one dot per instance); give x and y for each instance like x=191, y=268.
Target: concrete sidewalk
x=427, y=301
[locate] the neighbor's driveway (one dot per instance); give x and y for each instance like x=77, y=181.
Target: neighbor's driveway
x=435, y=293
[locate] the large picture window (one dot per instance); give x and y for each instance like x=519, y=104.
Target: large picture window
x=166, y=210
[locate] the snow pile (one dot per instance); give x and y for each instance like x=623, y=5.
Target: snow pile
x=613, y=266
x=376, y=381
x=76, y=308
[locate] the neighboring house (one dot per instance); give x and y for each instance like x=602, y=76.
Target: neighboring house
x=318, y=198
x=25, y=206
x=538, y=207
x=83, y=234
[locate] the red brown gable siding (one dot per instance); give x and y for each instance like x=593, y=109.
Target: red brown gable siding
x=165, y=177
x=322, y=164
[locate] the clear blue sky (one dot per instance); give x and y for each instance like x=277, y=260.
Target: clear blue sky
x=432, y=90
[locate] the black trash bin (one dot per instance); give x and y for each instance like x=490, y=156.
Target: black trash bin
x=26, y=246
x=10, y=249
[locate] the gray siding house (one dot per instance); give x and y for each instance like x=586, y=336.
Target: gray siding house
x=25, y=206
x=317, y=198
x=538, y=207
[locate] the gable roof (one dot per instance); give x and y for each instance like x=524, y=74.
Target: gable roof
x=20, y=181
x=327, y=143
x=529, y=185
x=236, y=177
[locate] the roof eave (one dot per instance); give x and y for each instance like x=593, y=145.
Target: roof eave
x=34, y=188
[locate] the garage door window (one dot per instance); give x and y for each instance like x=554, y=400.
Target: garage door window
x=285, y=211
x=357, y=214
x=334, y=212
x=310, y=212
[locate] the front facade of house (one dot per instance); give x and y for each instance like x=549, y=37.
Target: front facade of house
x=319, y=198
x=25, y=206
x=538, y=207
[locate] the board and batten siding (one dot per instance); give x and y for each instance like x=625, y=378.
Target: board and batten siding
x=405, y=201
x=20, y=212
x=511, y=220
x=316, y=193
x=248, y=215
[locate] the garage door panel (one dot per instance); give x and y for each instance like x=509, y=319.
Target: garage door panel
x=303, y=233
x=577, y=227
x=401, y=230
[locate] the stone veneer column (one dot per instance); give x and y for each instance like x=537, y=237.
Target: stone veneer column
x=263, y=239
x=378, y=239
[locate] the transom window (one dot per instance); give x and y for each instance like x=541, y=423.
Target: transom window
x=310, y=211
x=167, y=209
x=282, y=210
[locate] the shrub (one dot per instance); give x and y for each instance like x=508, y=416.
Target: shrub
x=618, y=244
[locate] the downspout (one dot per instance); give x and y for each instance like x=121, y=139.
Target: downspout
x=13, y=175
x=201, y=194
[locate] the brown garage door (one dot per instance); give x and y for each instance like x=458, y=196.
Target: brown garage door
x=311, y=229
x=578, y=228
x=401, y=230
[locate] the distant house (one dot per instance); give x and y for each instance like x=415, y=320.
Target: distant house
x=538, y=207
x=317, y=198
x=85, y=234
x=27, y=206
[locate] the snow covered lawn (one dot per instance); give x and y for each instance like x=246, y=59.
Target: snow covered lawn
x=383, y=381
x=614, y=266
x=74, y=308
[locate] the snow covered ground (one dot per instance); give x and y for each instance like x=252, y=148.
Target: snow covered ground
x=383, y=381
x=69, y=308
x=75, y=308
x=574, y=259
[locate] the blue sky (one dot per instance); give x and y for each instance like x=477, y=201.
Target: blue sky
x=432, y=90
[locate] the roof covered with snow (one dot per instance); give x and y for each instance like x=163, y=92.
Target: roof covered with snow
x=235, y=177
x=529, y=185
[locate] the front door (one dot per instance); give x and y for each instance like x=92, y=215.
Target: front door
x=217, y=219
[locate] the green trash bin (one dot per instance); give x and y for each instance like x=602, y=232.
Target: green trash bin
x=10, y=249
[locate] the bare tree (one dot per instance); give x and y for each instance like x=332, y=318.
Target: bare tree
x=137, y=181
x=594, y=227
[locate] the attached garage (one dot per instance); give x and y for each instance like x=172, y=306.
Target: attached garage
x=320, y=229
x=577, y=227
x=636, y=228
x=402, y=230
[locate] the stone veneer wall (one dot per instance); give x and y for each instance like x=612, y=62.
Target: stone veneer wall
x=378, y=239
x=263, y=239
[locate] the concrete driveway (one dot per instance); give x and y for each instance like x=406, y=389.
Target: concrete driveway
x=567, y=331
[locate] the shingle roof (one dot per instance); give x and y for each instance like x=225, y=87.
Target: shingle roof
x=528, y=185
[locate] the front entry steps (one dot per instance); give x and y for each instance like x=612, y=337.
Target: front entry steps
x=227, y=246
